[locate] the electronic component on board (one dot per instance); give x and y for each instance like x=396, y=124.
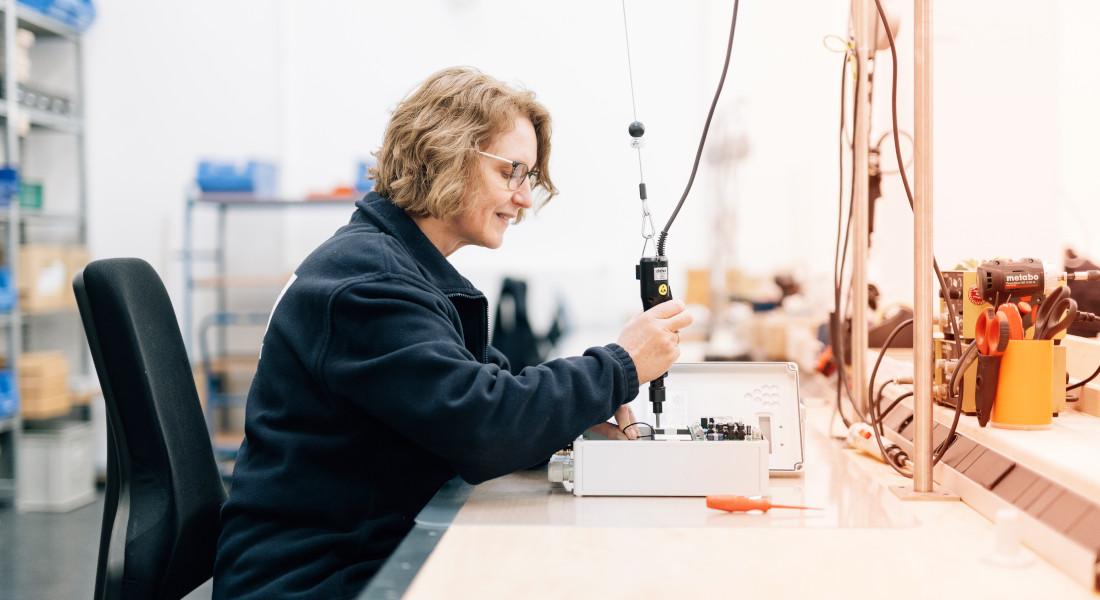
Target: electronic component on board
x=727, y=428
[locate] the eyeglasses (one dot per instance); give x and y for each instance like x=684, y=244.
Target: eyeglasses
x=520, y=171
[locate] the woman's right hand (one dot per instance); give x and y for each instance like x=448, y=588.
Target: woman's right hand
x=653, y=340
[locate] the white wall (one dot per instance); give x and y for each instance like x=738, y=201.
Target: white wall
x=310, y=83
x=995, y=120
x=1077, y=189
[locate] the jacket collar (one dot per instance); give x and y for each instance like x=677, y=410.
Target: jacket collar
x=435, y=267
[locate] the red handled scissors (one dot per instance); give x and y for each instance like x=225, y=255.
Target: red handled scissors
x=994, y=329
x=1055, y=314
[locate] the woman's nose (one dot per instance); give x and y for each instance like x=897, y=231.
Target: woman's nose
x=523, y=195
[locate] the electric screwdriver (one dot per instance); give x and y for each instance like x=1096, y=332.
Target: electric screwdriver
x=652, y=272
x=1000, y=280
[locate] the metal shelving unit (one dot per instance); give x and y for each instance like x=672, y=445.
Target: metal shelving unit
x=14, y=224
x=208, y=337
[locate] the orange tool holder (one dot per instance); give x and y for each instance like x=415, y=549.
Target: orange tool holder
x=1025, y=385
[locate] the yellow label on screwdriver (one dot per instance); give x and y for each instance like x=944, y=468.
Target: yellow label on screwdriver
x=663, y=290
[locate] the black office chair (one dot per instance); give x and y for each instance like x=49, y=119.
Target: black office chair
x=164, y=491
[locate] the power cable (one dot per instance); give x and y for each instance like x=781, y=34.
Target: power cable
x=702, y=140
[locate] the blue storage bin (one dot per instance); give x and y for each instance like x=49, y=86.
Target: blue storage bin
x=77, y=14
x=257, y=177
x=7, y=290
x=9, y=394
x=9, y=185
x=362, y=183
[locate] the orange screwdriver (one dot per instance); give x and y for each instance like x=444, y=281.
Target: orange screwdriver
x=744, y=504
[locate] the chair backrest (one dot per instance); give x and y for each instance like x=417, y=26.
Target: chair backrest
x=164, y=491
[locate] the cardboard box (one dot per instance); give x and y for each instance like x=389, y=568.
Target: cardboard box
x=44, y=385
x=41, y=278
x=45, y=407
x=76, y=258
x=761, y=292
x=45, y=276
x=43, y=364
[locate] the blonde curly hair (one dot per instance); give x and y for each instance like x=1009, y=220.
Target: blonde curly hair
x=428, y=152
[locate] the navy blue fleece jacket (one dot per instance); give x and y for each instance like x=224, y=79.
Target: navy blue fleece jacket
x=376, y=385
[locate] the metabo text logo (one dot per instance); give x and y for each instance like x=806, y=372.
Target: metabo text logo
x=1021, y=279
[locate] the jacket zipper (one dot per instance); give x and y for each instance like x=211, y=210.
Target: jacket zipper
x=485, y=340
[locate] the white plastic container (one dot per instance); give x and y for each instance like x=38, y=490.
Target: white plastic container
x=56, y=472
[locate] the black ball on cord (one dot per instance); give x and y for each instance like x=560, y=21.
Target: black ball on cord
x=636, y=129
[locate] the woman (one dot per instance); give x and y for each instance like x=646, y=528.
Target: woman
x=376, y=383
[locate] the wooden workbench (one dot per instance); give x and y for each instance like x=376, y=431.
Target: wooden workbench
x=522, y=537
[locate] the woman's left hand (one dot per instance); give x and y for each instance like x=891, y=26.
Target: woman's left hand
x=623, y=417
